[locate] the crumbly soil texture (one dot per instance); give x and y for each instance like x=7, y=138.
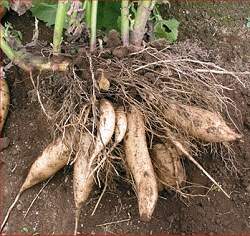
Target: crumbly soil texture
x=219, y=28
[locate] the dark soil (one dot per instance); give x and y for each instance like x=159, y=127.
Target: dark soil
x=218, y=27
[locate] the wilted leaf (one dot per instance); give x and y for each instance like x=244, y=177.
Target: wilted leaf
x=20, y=6
x=13, y=36
x=167, y=29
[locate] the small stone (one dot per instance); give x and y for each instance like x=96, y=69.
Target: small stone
x=247, y=122
x=32, y=95
x=4, y=143
x=49, y=91
x=14, y=102
x=248, y=102
x=19, y=207
x=248, y=188
x=150, y=75
x=246, y=92
x=217, y=221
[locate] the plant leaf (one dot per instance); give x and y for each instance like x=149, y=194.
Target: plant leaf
x=167, y=29
x=5, y=4
x=108, y=15
x=45, y=12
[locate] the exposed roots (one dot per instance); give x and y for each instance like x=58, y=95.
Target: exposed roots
x=151, y=80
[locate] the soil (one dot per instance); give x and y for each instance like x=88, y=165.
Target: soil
x=218, y=27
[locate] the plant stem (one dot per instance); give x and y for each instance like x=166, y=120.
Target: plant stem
x=7, y=49
x=88, y=13
x=152, y=5
x=14, y=56
x=125, y=22
x=94, y=6
x=28, y=62
x=59, y=24
x=141, y=18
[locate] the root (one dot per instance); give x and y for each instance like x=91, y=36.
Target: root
x=183, y=150
x=99, y=200
x=77, y=216
x=150, y=80
x=38, y=95
x=33, y=201
x=10, y=210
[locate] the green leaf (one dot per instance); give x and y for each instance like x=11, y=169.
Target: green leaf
x=45, y=12
x=5, y=4
x=108, y=15
x=167, y=29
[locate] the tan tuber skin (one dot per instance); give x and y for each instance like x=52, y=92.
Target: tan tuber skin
x=54, y=157
x=121, y=124
x=139, y=163
x=82, y=182
x=4, y=107
x=201, y=124
x=167, y=164
x=106, y=128
x=4, y=102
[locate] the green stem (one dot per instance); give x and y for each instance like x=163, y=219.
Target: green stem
x=14, y=56
x=29, y=62
x=59, y=24
x=141, y=18
x=7, y=49
x=152, y=5
x=93, y=25
x=88, y=13
x=125, y=22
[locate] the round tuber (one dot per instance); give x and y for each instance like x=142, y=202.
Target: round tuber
x=167, y=164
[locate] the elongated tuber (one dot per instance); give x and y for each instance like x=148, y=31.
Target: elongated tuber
x=54, y=157
x=4, y=102
x=105, y=130
x=121, y=124
x=82, y=182
x=140, y=165
x=199, y=123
